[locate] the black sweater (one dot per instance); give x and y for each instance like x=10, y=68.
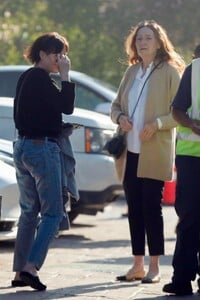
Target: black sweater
x=39, y=104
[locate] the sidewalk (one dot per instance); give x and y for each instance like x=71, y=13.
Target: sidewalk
x=82, y=264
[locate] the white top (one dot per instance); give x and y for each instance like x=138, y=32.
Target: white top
x=133, y=140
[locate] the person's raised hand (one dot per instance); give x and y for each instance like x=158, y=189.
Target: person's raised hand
x=64, y=65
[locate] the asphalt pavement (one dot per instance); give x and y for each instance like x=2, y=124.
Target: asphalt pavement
x=83, y=262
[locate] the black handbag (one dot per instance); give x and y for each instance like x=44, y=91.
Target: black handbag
x=117, y=144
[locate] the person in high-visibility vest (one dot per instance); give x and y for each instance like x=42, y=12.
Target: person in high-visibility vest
x=196, y=52
x=186, y=111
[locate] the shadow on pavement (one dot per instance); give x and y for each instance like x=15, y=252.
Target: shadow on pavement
x=80, y=241
x=72, y=291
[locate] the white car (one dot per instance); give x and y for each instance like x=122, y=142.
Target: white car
x=9, y=209
x=95, y=172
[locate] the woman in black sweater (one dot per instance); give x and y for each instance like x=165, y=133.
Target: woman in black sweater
x=38, y=108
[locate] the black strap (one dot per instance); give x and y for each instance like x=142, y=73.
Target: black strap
x=143, y=89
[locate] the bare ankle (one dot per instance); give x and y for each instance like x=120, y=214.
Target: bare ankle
x=138, y=263
x=30, y=268
x=17, y=277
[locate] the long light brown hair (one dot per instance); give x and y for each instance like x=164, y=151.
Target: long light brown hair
x=166, y=52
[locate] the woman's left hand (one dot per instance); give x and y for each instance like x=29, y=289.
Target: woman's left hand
x=148, y=131
x=64, y=65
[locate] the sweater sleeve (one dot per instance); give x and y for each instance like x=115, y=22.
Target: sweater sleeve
x=173, y=84
x=117, y=107
x=68, y=97
x=61, y=99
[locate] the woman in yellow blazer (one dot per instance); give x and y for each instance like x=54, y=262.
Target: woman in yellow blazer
x=142, y=110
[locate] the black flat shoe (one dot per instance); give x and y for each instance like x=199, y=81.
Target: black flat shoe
x=178, y=289
x=32, y=281
x=148, y=279
x=121, y=278
x=124, y=278
x=18, y=283
x=131, y=276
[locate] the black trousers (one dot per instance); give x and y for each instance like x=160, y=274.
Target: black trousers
x=187, y=205
x=144, y=209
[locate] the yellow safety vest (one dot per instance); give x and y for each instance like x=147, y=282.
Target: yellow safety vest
x=188, y=143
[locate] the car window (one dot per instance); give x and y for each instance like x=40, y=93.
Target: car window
x=87, y=99
x=8, y=82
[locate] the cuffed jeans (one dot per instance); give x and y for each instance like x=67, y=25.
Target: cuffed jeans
x=143, y=196
x=38, y=171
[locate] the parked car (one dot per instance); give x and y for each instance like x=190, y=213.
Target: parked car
x=91, y=93
x=9, y=209
x=95, y=173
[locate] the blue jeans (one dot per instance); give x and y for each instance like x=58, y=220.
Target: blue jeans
x=38, y=171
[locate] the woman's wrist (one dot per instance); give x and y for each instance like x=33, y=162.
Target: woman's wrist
x=154, y=125
x=159, y=123
x=65, y=77
x=119, y=116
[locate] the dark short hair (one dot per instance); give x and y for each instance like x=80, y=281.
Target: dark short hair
x=196, y=53
x=50, y=42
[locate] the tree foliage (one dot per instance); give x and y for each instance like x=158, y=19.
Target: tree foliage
x=96, y=29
